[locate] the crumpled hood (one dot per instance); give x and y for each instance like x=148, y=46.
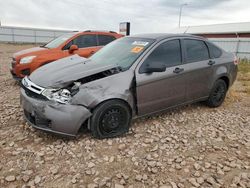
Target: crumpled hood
x=30, y=51
x=66, y=70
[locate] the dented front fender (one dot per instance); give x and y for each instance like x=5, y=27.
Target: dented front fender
x=117, y=86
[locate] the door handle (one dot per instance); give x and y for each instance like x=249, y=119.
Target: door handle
x=92, y=52
x=211, y=62
x=178, y=70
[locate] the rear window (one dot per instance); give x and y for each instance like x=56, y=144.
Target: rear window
x=196, y=50
x=105, y=39
x=215, y=52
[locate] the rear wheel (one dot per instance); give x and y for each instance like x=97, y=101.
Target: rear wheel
x=110, y=119
x=218, y=94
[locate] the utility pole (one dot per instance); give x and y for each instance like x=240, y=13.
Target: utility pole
x=181, y=7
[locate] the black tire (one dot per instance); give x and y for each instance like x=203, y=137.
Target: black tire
x=217, y=94
x=110, y=119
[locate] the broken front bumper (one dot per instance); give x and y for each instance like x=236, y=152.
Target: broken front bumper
x=64, y=119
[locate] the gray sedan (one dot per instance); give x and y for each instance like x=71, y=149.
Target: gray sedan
x=130, y=77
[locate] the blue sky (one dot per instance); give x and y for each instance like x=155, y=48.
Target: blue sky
x=145, y=15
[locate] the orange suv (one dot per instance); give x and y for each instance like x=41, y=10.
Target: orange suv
x=82, y=43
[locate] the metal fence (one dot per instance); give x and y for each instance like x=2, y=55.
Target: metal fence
x=28, y=35
x=239, y=46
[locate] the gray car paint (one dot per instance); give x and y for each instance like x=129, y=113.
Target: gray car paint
x=144, y=93
x=115, y=86
x=65, y=119
x=193, y=84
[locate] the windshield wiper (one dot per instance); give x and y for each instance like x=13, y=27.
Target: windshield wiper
x=120, y=69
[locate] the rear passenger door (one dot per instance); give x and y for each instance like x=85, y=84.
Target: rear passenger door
x=87, y=45
x=198, y=69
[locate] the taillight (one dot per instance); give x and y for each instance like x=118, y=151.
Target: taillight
x=236, y=60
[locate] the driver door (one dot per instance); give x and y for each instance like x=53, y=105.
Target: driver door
x=160, y=90
x=87, y=45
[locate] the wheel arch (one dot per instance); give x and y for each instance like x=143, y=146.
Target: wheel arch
x=131, y=109
x=120, y=128
x=120, y=99
x=222, y=72
x=215, y=98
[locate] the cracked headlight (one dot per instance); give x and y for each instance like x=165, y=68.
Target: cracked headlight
x=27, y=59
x=62, y=96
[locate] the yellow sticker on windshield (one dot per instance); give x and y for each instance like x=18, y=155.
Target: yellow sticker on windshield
x=137, y=49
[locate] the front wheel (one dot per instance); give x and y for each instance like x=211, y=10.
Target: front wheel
x=218, y=94
x=110, y=119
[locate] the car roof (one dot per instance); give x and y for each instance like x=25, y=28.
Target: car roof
x=160, y=36
x=94, y=31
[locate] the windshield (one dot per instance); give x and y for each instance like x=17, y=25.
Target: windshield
x=59, y=40
x=122, y=52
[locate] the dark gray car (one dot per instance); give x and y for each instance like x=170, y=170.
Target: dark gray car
x=131, y=77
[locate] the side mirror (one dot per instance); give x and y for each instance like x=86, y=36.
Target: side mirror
x=73, y=48
x=154, y=67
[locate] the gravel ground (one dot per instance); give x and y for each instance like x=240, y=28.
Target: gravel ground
x=192, y=146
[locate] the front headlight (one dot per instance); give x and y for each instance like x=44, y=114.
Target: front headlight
x=62, y=96
x=27, y=59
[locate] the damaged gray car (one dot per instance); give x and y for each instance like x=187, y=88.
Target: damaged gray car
x=130, y=77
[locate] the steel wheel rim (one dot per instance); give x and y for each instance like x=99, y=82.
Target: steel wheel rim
x=219, y=93
x=112, y=121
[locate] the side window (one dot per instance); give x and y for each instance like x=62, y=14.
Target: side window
x=215, y=52
x=105, y=39
x=168, y=53
x=67, y=46
x=84, y=41
x=196, y=50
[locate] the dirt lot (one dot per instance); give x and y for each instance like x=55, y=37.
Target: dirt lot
x=193, y=146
